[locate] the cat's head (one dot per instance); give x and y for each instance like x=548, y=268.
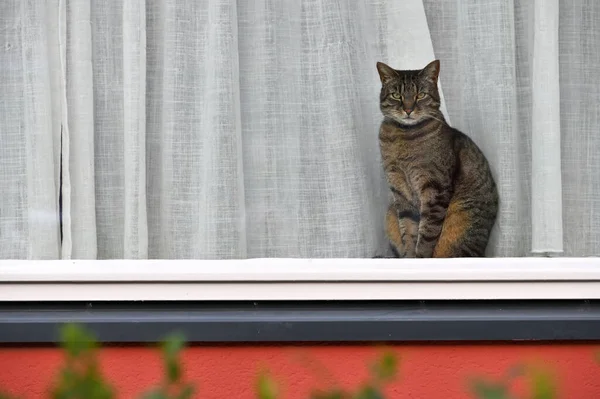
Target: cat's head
x=409, y=97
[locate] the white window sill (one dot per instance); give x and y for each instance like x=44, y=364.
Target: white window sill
x=300, y=279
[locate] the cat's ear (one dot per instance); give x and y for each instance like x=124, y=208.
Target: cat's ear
x=432, y=70
x=385, y=72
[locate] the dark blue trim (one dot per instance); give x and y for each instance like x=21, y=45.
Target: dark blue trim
x=307, y=322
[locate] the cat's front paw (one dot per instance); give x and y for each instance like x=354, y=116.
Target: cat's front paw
x=423, y=252
x=398, y=251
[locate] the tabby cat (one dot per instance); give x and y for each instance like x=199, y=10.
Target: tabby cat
x=445, y=198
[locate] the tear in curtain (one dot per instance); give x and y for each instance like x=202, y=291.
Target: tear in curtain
x=224, y=129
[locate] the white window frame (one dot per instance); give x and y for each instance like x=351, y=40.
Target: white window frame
x=300, y=279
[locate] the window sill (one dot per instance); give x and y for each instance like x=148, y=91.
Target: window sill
x=301, y=279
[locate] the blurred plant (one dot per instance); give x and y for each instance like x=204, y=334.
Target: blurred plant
x=540, y=382
x=266, y=387
x=172, y=386
x=381, y=373
x=80, y=378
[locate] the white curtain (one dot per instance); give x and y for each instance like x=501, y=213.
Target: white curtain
x=237, y=129
x=30, y=131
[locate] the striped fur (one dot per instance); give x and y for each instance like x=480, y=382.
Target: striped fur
x=445, y=198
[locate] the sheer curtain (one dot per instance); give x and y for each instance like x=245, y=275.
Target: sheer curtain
x=30, y=131
x=224, y=129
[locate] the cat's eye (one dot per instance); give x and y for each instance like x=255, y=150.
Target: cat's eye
x=396, y=96
x=421, y=96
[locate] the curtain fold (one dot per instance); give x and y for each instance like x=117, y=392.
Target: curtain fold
x=477, y=42
x=29, y=134
x=410, y=39
x=226, y=129
x=195, y=175
x=81, y=133
x=546, y=194
x=135, y=223
x=312, y=176
x=579, y=63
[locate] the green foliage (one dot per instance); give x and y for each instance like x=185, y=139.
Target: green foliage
x=382, y=372
x=172, y=386
x=540, y=381
x=80, y=378
x=266, y=387
x=490, y=390
x=385, y=370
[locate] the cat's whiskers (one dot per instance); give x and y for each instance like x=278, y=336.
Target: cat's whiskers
x=437, y=119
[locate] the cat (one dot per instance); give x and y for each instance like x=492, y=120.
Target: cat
x=445, y=200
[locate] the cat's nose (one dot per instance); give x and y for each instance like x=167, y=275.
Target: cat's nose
x=408, y=110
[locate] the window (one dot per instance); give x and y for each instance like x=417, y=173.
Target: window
x=242, y=136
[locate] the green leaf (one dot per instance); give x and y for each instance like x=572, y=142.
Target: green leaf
x=157, y=394
x=386, y=368
x=487, y=390
x=76, y=340
x=542, y=384
x=80, y=377
x=173, y=372
x=266, y=387
x=172, y=346
x=369, y=392
x=186, y=392
x=172, y=386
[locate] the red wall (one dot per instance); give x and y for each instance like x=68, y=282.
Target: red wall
x=426, y=371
